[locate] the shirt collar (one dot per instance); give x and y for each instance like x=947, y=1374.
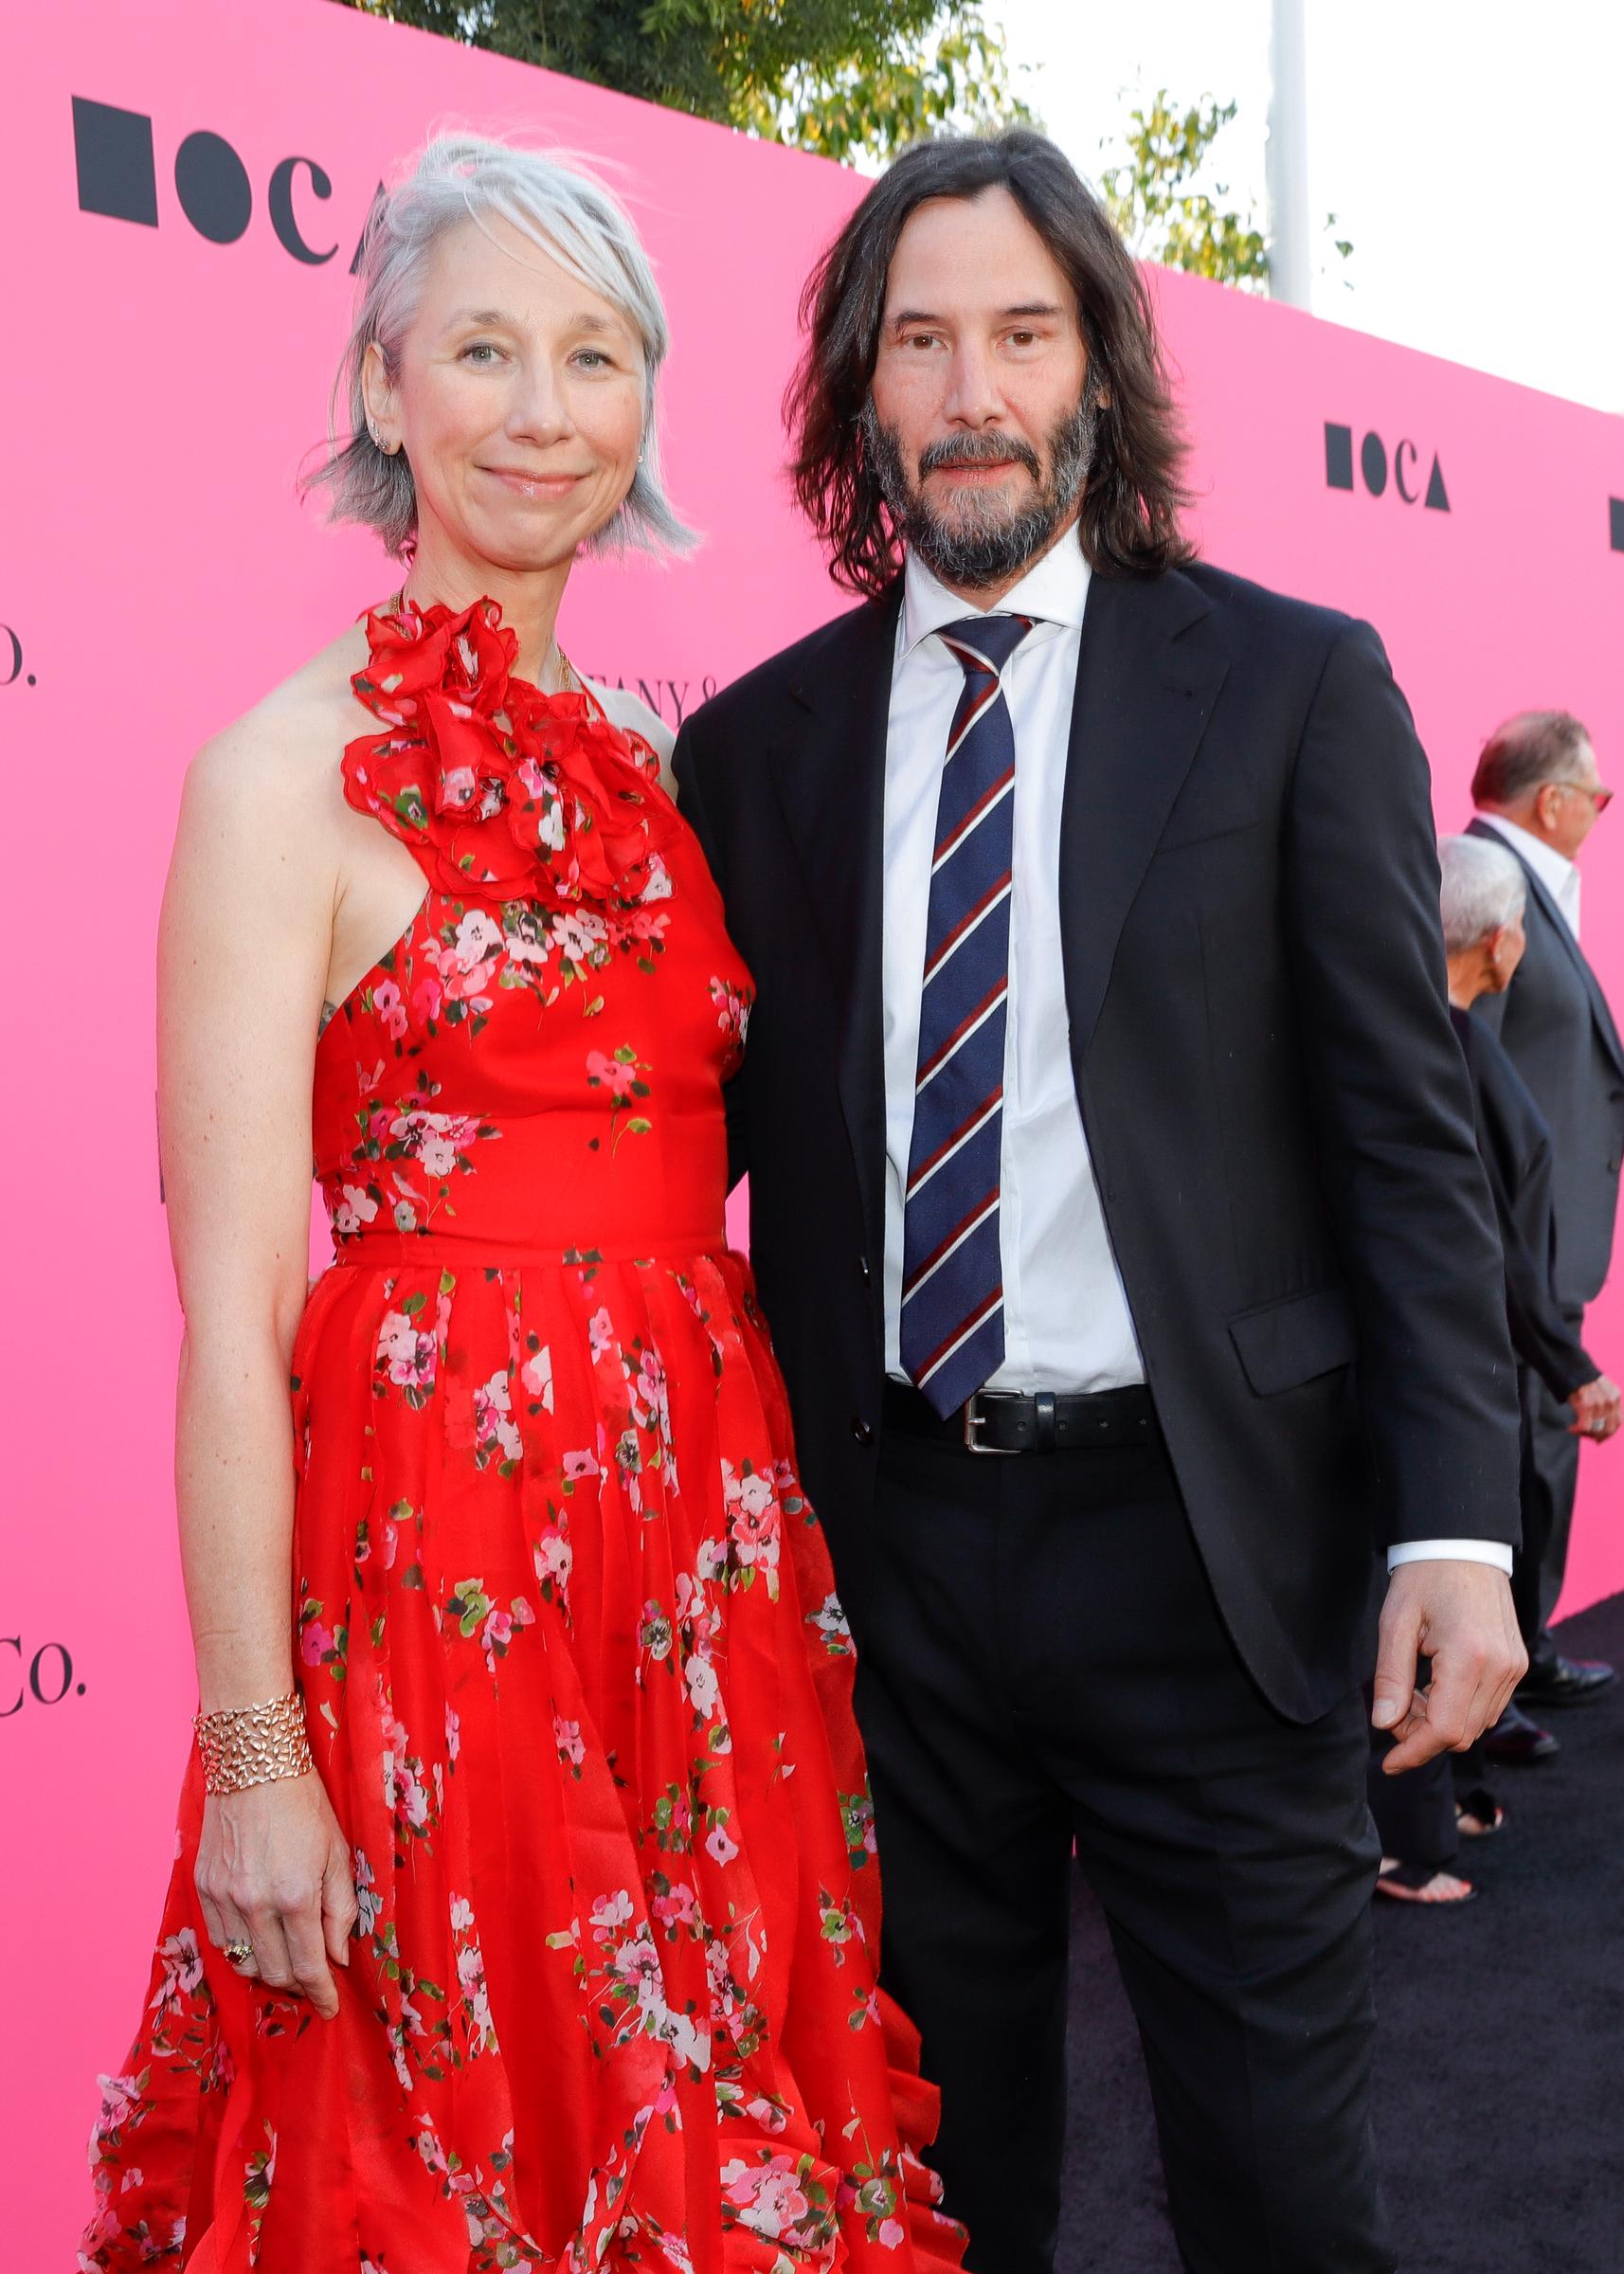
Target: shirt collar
x=1056, y=590
x=1558, y=874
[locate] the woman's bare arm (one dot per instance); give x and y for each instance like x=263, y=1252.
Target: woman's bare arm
x=244, y=946
x=244, y=949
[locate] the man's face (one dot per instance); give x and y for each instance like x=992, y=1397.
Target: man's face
x=1567, y=811
x=980, y=422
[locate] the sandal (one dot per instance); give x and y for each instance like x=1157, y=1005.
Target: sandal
x=1421, y=1882
x=1477, y=1813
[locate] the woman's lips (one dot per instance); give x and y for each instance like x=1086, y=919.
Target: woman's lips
x=532, y=485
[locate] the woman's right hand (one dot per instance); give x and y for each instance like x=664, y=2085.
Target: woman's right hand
x=274, y=1869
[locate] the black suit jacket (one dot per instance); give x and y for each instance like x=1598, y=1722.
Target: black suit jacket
x=1559, y=1035
x=1516, y=1148
x=1276, y=1106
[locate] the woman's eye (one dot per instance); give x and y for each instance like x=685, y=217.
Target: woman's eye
x=478, y=351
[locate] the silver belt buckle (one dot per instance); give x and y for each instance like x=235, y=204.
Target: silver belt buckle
x=974, y=1422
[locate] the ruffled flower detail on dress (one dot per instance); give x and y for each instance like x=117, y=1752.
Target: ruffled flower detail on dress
x=494, y=786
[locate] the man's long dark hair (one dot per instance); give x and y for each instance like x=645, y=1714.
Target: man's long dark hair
x=1133, y=496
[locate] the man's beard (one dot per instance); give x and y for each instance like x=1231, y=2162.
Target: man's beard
x=986, y=541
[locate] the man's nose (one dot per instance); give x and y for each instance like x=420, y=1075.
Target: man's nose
x=973, y=397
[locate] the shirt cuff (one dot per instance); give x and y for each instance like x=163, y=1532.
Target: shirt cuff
x=1457, y=1551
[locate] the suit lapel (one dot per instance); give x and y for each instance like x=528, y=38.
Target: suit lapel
x=828, y=770
x=1600, y=1009
x=1146, y=683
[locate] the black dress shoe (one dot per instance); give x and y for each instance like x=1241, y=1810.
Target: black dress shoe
x=1566, y=1681
x=1517, y=1741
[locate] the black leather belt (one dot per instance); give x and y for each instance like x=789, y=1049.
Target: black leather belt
x=1039, y=1421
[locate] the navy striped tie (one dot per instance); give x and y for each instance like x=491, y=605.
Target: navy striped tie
x=952, y=1273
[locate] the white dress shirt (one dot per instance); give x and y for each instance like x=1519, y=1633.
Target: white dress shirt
x=1066, y=1318
x=1554, y=870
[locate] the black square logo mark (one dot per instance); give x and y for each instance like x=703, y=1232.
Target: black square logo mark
x=114, y=151
x=1339, y=456
x=1616, y=523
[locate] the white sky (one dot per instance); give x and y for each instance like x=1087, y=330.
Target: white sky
x=1468, y=148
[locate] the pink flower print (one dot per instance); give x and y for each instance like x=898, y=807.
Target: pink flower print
x=493, y=1426
x=703, y=1688
x=121, y=2098
x=658, y=886
x=536, y=1378
x=427, y=998
x=609, y=1913
x=315, y=1643
x=434, y=1140
x=355, y=1207
x=577, y=935
x=718, y=1845
x=679, y=1908
x=566, y=1737
x=600, y=1332
x=407, y=1353
x=459, y=784
x=368, y=1901
x=453, y=1733
x=577, y=1465
x=769, y=2194
x=391, y=1008
x=892, y=2234
x=554, y=1557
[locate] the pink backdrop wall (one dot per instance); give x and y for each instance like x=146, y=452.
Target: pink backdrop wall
x=158, y=392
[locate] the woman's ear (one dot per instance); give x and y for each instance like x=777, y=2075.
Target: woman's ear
x=378, y=394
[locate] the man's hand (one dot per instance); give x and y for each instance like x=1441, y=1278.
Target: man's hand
x=1595, y=1411
x=1460, y=1616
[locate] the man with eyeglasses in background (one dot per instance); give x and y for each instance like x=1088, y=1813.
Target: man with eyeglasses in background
x=1537, y=791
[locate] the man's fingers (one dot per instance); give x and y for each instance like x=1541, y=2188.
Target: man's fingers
x=1394, y=1685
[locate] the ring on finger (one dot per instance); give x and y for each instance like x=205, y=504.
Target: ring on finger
x=239, y=1954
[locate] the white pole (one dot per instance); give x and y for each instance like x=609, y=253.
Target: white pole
x=1290, y=271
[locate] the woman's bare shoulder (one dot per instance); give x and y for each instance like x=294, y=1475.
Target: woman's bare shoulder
x=280, y=758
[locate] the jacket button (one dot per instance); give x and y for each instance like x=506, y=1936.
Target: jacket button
x=863, y=1267
x=862, y=1430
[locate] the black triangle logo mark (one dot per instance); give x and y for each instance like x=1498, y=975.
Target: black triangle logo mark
x=1438, y=497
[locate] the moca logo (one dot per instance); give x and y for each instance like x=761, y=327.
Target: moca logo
x=1373, y=466
x=117, y=176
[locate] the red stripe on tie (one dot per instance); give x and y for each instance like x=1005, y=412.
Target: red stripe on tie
x=964, y=1224
x=957, y=1138
x=974, y=815
x=939, y=1057
x=994, y=891
x=961, y=1333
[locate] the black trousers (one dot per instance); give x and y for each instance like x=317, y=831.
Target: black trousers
x=1550, y=1481
x=1041, y=1661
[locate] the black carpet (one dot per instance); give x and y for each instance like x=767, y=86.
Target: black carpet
x=1501, y=2069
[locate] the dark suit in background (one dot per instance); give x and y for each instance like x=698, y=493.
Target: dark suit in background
x=1559, y=1034
x=1156, y=1653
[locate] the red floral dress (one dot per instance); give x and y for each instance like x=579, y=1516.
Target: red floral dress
x=575, y=1675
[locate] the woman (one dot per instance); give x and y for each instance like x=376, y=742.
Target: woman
x=537, y=1927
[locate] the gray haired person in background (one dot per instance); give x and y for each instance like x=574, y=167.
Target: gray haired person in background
x=1537, y=791
x=1487, y=906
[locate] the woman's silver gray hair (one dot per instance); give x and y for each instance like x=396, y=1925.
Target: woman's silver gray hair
x=1484, y=887
x=571, y=218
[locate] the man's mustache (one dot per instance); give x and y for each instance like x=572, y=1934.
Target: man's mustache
x=978, y=450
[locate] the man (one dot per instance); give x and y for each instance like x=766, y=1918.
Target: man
x=1101, y=1109
x=1484, y=910
x=1537, y=791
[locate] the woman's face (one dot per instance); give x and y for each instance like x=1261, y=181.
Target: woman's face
x=519, y=400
